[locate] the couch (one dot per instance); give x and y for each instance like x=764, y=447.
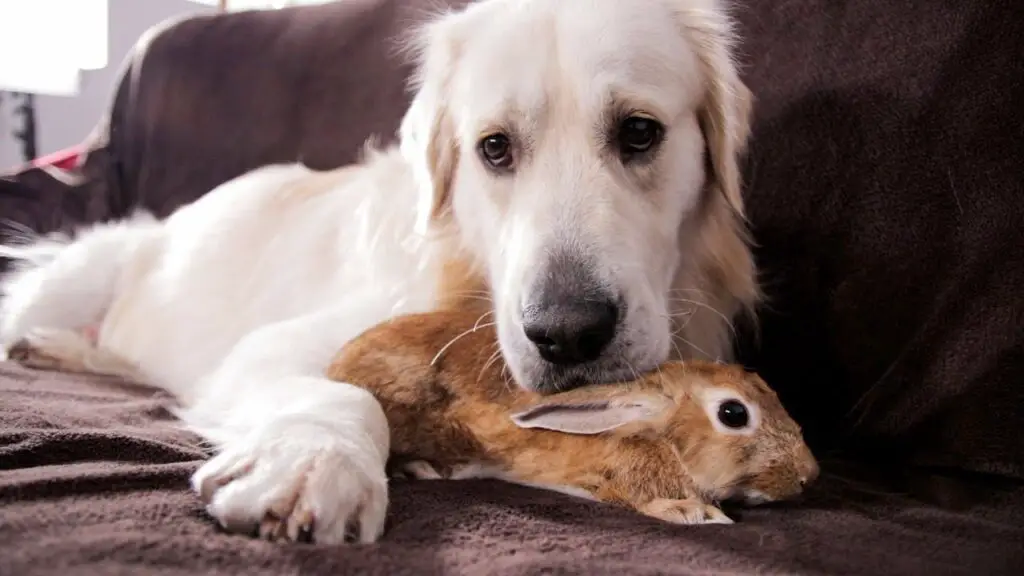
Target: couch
x=885, y=187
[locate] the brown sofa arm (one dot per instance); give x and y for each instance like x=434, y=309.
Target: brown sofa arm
x=44, y=198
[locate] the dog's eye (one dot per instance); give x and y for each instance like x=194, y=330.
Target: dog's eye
x=733, y=414
x=496, y=151
x=638, y=134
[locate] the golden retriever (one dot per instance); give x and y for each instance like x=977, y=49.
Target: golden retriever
x=569, y=165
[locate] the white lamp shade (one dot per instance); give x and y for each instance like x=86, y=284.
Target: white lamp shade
x=44, y=43
x=92, y=32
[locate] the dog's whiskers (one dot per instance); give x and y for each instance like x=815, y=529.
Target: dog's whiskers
x=679, y=353
x=474, y=297
x=481, y=293
x=692, y=290
x=477, y=295
x=507, y=376
x=444, y=348
x=708, y=307
x=661, y=373
x=692, y=345
x=636, y=375
x=477, y=326
x=682, y=326
x=493, y=358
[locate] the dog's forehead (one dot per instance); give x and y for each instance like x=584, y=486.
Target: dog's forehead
x=585, y=51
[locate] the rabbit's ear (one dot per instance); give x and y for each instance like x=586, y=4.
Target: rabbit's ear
x=578, y=416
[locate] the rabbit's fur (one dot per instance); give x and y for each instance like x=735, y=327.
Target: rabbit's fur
x=654, y=444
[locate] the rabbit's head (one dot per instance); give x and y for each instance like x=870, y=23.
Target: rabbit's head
x=731, y=434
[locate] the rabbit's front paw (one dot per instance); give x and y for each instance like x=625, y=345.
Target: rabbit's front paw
x=687, y=511
x=418, y=470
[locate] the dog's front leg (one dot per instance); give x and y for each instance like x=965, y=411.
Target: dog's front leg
x=300, y=456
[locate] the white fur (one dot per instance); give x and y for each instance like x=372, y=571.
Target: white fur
x=237, y=302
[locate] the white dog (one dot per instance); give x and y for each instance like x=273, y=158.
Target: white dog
x=571, y=162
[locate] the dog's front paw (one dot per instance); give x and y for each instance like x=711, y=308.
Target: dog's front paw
x=44, y=349
x=688, y=511
x=300, y=482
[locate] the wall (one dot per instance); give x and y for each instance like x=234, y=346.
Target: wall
x=65, y=121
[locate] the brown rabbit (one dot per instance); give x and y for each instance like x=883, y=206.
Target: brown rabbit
x=669, y=444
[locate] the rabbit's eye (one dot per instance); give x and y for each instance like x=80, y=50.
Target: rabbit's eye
x=733, y=414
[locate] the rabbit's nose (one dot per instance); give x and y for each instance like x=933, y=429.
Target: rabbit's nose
x=806, y=466
x=810, y=473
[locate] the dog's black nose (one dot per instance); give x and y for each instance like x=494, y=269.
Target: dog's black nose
x=572, y=333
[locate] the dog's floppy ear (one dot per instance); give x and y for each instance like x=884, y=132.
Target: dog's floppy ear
x=428, y=139
x=725, y=110
x=722, y=249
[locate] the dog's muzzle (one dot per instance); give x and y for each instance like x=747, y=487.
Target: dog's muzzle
x=570, y=316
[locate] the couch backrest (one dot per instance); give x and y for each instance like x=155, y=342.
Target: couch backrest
x=209, y=98
x=887, y=194
x=884, y=183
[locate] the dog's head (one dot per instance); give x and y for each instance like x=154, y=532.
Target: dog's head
x=585, y=151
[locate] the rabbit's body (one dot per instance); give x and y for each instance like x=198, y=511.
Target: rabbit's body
x=642, y=444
